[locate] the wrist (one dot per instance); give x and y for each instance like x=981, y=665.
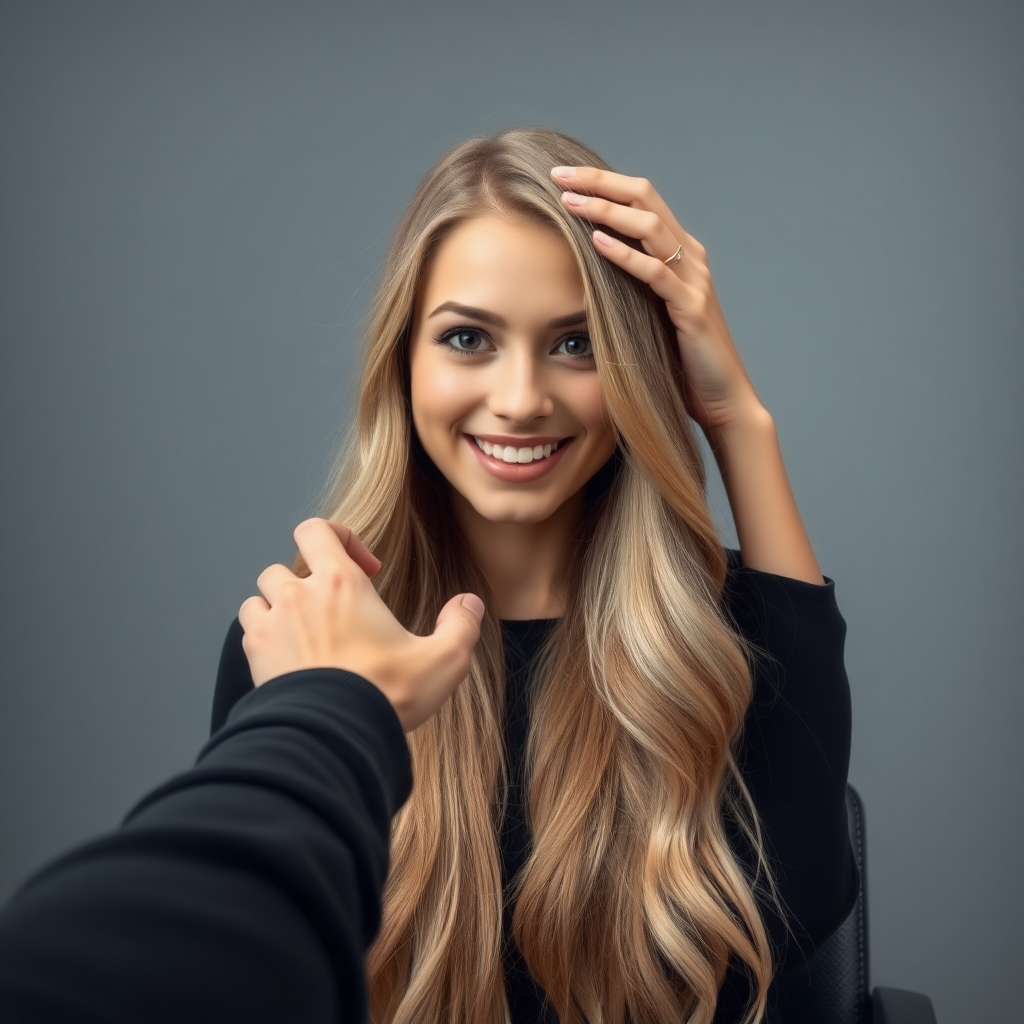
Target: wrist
x=748, y=420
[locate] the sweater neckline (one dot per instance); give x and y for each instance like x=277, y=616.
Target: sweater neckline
x=525, y=625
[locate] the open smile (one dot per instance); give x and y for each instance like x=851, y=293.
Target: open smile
x=542, y=459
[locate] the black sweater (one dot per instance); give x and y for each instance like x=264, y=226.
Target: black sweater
x=248, y=888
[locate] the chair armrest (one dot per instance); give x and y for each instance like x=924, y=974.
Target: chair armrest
x=898, y=1006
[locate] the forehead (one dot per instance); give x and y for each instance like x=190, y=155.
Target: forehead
x=490, y=261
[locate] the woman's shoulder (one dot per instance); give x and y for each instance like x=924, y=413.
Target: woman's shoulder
x=782, y=612
x=733, y=558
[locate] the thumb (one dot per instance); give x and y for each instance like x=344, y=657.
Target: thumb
x=459, y=621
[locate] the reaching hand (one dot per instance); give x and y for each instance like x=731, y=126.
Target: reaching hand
x=334, y=618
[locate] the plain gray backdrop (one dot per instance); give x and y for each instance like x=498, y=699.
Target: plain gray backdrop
x=196, y=198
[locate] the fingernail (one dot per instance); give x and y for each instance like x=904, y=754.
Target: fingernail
x=574, y=198
x=474, y=604
x=563, y=172
x=600, y=236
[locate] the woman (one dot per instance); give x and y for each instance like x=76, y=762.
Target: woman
x=585, y=823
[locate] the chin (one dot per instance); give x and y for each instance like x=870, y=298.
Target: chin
x=517, y=511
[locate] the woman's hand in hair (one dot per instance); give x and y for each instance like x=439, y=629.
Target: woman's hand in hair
x=717, y=392
x=334, y=618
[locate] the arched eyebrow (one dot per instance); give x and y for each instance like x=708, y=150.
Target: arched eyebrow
x=569, y=320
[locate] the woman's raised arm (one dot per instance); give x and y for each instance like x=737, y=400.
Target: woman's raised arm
x=716, y=389
x=771, y=533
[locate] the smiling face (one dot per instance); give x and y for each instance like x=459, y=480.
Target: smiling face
x=512, y=366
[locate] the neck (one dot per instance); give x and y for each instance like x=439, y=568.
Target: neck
x=521, y=560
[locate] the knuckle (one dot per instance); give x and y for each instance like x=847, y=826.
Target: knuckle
x=250, y=608
x=291, y=593
x=266, y=573
x=252, y=639
x=335, y=577
x=651, y=222
x=644, y=188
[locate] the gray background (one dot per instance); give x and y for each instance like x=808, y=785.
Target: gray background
x=196, y=198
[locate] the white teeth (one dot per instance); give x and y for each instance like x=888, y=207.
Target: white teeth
x=521, y=455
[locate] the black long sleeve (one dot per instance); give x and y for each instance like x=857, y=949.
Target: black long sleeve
x=246, y=889
x=795, y=757
x=796, y=749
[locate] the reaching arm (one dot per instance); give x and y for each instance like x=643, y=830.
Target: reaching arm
x=246, y=889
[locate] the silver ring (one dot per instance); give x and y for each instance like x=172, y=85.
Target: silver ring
x=677, y=255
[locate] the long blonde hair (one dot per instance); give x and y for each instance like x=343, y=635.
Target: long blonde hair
x=632, y=902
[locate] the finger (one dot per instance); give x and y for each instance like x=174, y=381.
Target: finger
x=677, y=293
x=458, y=624
x=621, y=188
x=357, y=550
x=271, y=581
x=251, y=612
x=326, y=540
x=645, y=225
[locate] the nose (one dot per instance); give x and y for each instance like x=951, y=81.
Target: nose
x=519, y=390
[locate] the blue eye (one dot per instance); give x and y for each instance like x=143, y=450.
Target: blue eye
x=447, y=340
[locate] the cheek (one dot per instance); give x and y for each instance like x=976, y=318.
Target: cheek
x=438, y=392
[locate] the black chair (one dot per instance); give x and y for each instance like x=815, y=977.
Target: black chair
x=833, y=988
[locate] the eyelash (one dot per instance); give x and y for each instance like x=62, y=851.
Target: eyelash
x=442, y=339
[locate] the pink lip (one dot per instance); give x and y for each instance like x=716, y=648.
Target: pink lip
x=515, y=472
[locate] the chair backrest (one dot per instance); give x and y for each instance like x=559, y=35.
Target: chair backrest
x=834, y=987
